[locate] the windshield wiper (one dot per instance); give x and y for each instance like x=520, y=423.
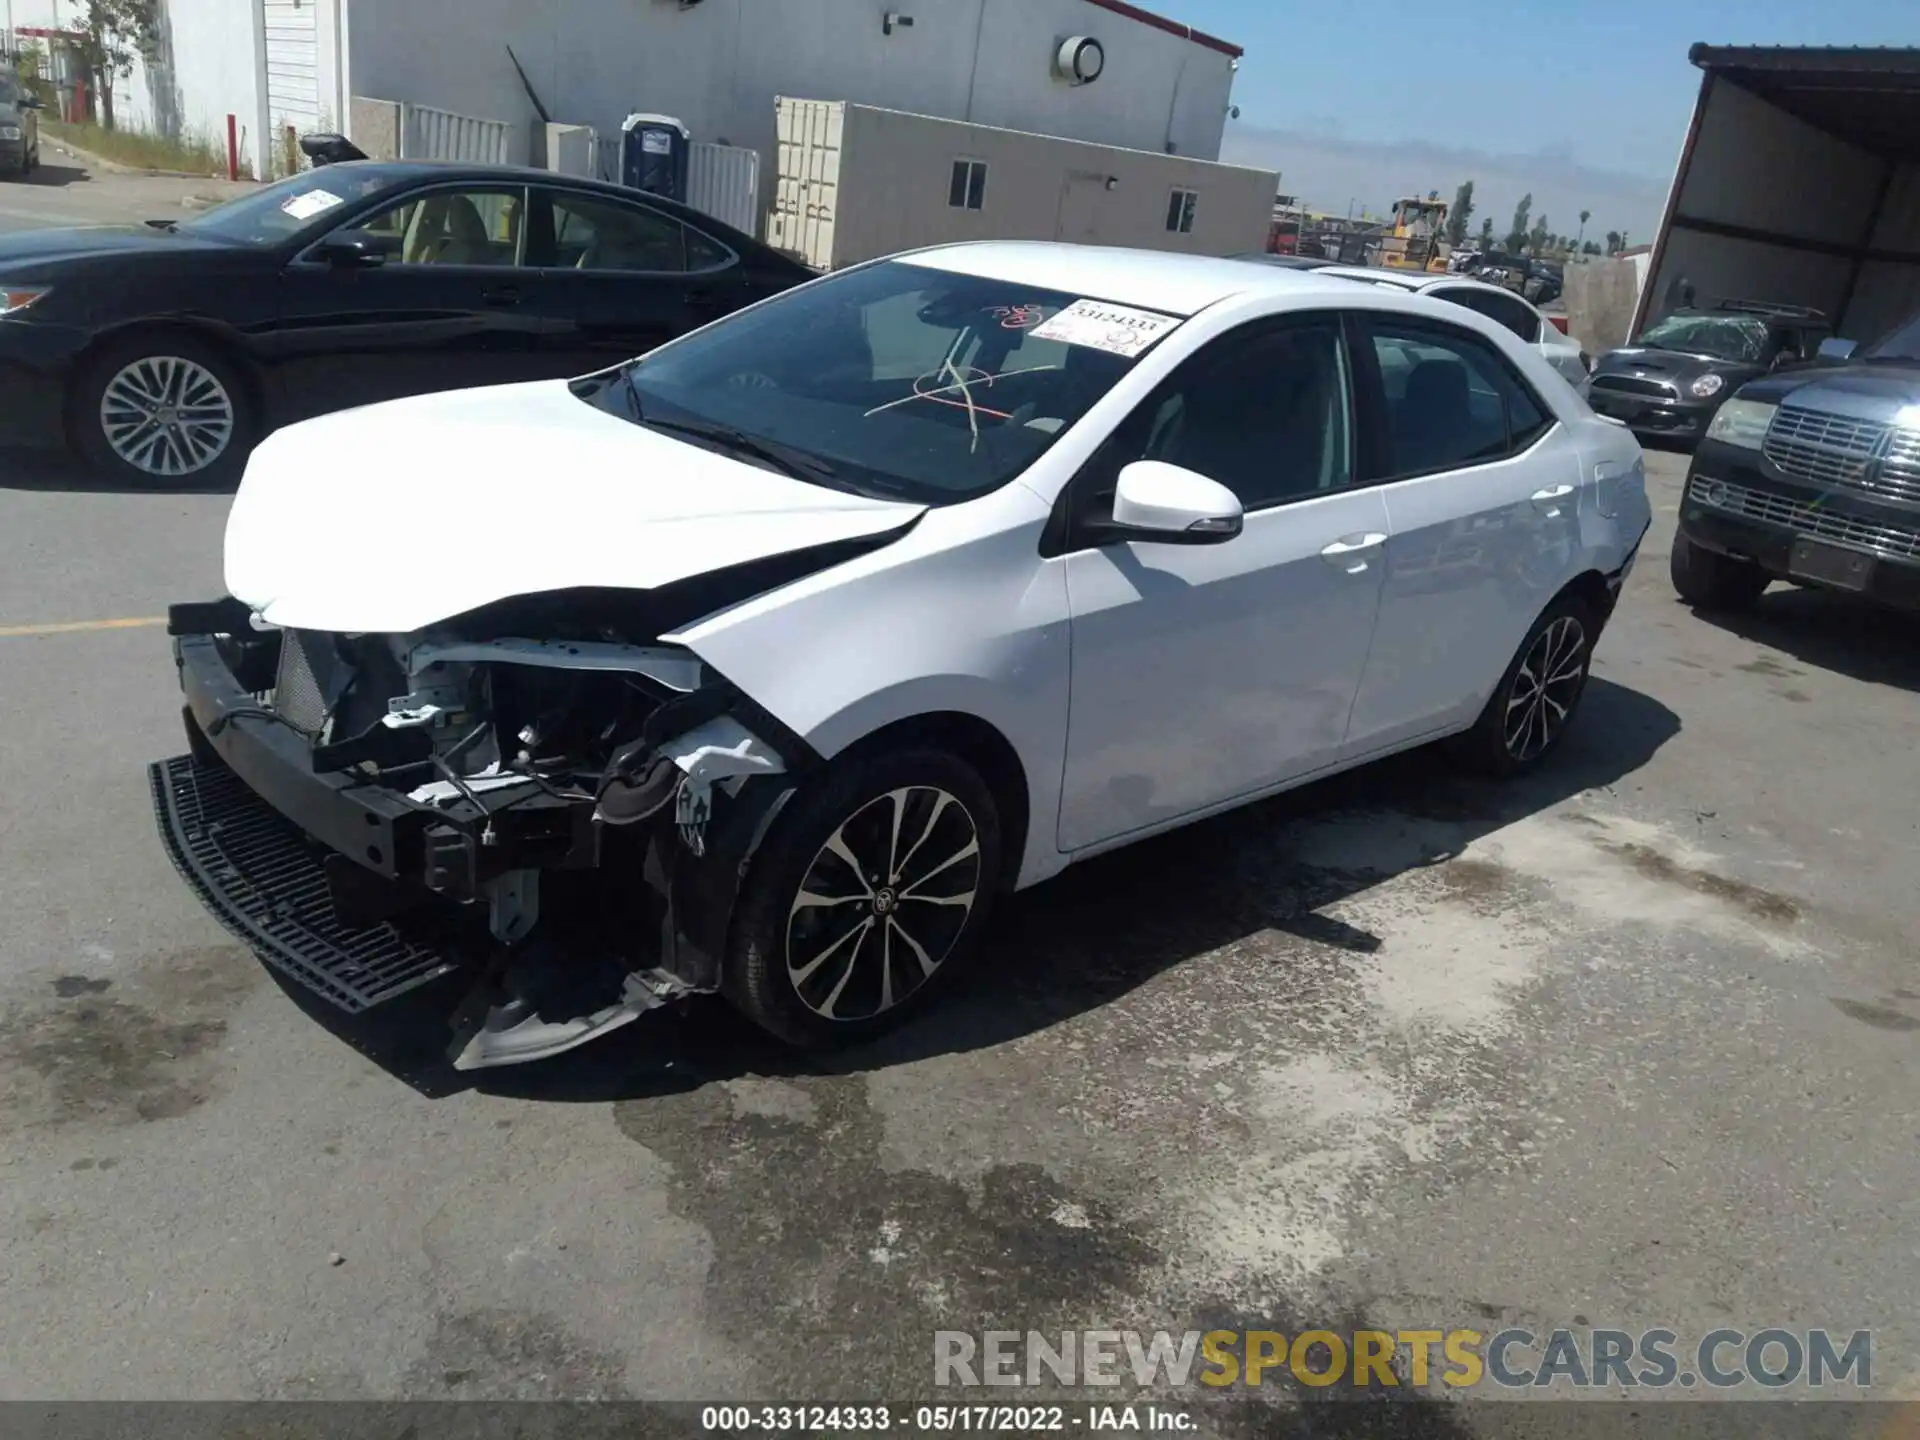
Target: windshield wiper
x=797, y=463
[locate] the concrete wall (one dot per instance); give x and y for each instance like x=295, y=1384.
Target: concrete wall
x=719, y=65
x=895, y=172
x=205, y=69
x=1758, y=168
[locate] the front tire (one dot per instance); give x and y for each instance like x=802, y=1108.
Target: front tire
x=866, y=899
x=1535, y=701
x=163, y=410
x=1708, y=580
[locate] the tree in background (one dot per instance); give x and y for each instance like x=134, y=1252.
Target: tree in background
x=1592, y=247
x=1457, y=217
x=1539, y=235
x=1614, y=247
x=1517, y=236
x=112, y=35
x=1486, y=233
x=1585, y=215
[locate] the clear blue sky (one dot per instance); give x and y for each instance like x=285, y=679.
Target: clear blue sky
x=1606, y=80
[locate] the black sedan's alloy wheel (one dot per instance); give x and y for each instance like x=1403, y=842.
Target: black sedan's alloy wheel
x=163, y=410
x=868, y=894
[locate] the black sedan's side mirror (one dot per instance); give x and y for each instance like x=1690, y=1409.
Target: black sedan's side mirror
x=356, y=250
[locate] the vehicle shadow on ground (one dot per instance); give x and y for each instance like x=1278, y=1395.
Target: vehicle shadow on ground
x=54, y=470
x=1836, y=633
x=51, y=175
x=1101, y=930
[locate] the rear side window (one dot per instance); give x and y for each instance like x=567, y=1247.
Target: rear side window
x=1451, y=399
x=1516, y=315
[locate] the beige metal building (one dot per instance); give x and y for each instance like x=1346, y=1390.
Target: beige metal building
x=854, y=182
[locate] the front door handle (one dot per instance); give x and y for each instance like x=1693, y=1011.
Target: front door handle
x=1549, y=499
x=501, y=297
x=1350, y=552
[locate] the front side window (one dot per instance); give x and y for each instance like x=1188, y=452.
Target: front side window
x=1451, y=400
x=594, y=234
x=1265, y=412
x=482, y=226
x=893, y=379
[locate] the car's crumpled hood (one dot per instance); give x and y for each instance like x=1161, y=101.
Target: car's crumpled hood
x=390, y=518
x=1666, y=364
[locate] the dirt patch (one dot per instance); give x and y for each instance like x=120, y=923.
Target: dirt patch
x=1766, y=665
x=1881, y=1017
x=89, y=1059
x=871, y=1260
x=501, y=1354
x=1798, y=697
x=1477, y=882
x=1760, y=903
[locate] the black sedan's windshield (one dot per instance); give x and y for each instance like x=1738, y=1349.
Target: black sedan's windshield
x=1902, y=347
x=895, y=379
x=286, y=208
x=1724, y=337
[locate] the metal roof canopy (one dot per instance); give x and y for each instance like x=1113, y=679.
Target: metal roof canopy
x=1867, y=96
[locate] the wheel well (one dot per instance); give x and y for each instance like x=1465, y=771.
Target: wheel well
x=987, y=751
x=1591, y=589
x=209, y=336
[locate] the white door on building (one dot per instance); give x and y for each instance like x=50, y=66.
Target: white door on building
x=293, y=71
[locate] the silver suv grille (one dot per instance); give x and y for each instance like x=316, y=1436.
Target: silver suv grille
x=1807, y=519
x=1865, y=455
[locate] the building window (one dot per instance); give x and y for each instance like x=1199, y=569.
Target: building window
x=968, y=189
x=1180, y=207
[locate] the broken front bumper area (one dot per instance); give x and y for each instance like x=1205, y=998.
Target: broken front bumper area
x=573, y=913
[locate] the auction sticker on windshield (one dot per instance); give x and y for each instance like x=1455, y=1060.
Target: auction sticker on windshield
x=1099, y=326
x=314, y=202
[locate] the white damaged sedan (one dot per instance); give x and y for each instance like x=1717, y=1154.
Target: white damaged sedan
x=761, y=664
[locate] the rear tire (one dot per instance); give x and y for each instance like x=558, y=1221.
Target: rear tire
x=163, y=410
x=1708, y=580
x=823, y=954
x=1535, y=701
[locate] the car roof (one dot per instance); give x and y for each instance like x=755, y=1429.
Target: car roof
x=1416, y=282
x=1162, y=280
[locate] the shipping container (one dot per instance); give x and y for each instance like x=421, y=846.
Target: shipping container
x=854, y=182
x=1798, y=184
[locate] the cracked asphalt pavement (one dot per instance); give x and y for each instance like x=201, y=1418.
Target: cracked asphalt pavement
x=1631, y=1044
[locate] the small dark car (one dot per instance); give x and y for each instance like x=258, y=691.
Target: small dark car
x=19, y=126
x=1673, y=378
x=1812, y=477
x=162, y=352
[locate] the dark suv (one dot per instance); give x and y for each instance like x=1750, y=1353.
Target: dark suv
x=1812, y=477
x=1674, y=376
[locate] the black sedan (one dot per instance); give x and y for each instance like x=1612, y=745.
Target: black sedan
x=162, y=352
x=1679, y=371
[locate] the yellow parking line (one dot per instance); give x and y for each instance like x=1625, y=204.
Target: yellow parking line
x=70, y=627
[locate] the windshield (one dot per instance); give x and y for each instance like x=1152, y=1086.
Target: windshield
x=1902, y=347
x=895, y=379
x=1724, y=337
x=286, y=208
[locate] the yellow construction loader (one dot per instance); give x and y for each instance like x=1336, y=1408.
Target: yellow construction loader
x=1415, y=242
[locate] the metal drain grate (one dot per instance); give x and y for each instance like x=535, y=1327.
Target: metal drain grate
x=265, y=882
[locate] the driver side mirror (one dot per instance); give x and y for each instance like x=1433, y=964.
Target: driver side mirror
x=1835, y=351
x=357, y=249
x=1165, y=504
x=32, y=102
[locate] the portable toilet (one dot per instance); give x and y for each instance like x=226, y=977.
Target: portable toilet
x=653, y=155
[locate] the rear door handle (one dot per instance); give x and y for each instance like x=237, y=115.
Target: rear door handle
x=501, y=297
x=1351, y=552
